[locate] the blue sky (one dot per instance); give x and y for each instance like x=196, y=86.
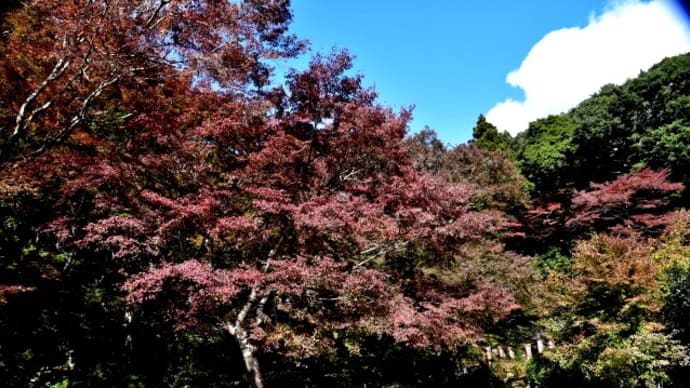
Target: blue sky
x=452, y=58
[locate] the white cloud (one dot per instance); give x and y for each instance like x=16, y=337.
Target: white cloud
x=568, y=65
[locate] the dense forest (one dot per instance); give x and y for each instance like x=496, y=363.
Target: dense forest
x=170, y=216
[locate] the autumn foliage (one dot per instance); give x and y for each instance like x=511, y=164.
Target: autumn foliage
x=170, y=215
x=638, y=201
x=182, y=190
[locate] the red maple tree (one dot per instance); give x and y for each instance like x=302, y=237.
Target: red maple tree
x=314, y=222
x=638, y=201
x=282, y=216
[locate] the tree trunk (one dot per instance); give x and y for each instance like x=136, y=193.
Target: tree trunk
x=239, y=331
x=251, y=362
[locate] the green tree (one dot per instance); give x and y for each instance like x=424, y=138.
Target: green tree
x=621, y=128
x=667, y=146
x=544, y=151
x=485, y=135
x=601, y=145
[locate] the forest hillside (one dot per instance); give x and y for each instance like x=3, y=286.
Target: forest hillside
x=170, y=216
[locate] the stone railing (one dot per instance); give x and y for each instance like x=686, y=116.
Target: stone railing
x=528, y=350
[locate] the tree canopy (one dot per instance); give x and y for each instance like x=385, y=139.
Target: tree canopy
x=155, y=170
x=172, y=216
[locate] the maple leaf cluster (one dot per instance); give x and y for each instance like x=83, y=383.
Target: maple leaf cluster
x=637, y=201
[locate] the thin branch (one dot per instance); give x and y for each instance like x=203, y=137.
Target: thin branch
x=21, y=121
x=77, y=118
x=382, y=250
x=152, y=22
x=272, y=253
x=347, y=175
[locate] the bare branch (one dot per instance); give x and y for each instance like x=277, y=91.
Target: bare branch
x=380, y=250
x=77, y=118
x=152, y=22
x=22, y=122
x=348, y=175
